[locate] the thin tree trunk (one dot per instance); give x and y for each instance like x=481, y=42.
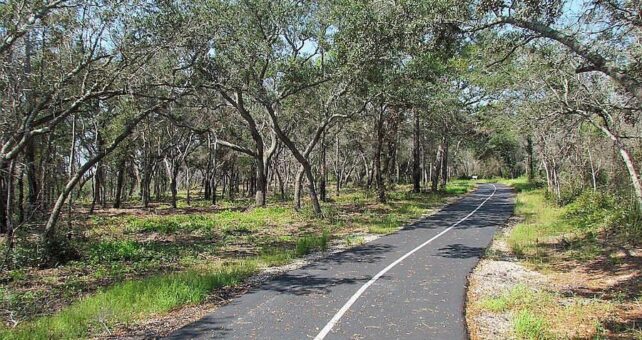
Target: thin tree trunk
x=634, y=175
x=261, y=183
x=9, y=209
x=531, y=158
x=444, y=165
x=21, y=210
x=120, y=182
x=381, y=187
x=298, y=187
x=280, y=182
x=323, y=175
x=416, y=159
x=4, y=195
x=436, y=169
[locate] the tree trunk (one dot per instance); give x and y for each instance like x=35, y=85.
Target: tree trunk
x=436, y=169
x=280, y=182
x=300, y=157
x=634, y=175
x=379, y=181
x=50, y=226
x=531, y=158
x=32, y=176
x=9, y=209
x=21, y=210
x=311, y=190
x=444, y=165
x=323, y=175
x=416, y=157
x=298, y=187
x=120, y=182
x=98, y=175
x=261, y=183
x=173, y=184
x=4, y=195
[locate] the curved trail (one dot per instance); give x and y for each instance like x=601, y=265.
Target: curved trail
x=410, y=284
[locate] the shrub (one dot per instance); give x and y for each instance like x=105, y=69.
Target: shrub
x=591, y=210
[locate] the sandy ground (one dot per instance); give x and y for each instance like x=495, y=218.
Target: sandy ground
x=493, y=276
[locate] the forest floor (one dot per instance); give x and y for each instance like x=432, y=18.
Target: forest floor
x=546, y=278
x=130, y=271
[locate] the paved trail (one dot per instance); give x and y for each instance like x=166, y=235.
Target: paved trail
x=408, y=285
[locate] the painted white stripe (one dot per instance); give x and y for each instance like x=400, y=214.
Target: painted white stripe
x=335, y=319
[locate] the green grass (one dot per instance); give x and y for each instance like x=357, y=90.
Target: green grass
x=526, y=306
x=386, y=225
x=309, y=243
x=227, y=220
x=131, y=301
x=459, y=186
x=518, y=298
x=528, y=325
x=578, y=223
x=542, y=220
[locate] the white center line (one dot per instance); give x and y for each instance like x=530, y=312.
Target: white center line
x=324, y=332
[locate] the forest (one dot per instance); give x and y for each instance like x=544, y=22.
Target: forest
x=178, y=143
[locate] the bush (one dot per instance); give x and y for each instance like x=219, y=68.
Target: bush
x=57, y=251
x=592, y=210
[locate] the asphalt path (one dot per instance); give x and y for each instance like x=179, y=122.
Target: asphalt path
x=407, y=285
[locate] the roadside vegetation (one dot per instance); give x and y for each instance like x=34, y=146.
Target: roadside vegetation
x=590, y=254
x=146, y=138
x=133, y=267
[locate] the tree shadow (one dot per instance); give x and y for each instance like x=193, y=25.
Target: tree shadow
x=460, y=251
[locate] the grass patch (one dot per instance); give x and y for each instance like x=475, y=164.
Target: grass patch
x=518, y=298
x=386, y=225
x=527, y=325
x=542, y=220
x=307, y=244
x=131, y=301
x=226, y=220
x=355, y=240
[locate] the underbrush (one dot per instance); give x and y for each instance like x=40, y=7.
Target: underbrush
x=575, y=227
